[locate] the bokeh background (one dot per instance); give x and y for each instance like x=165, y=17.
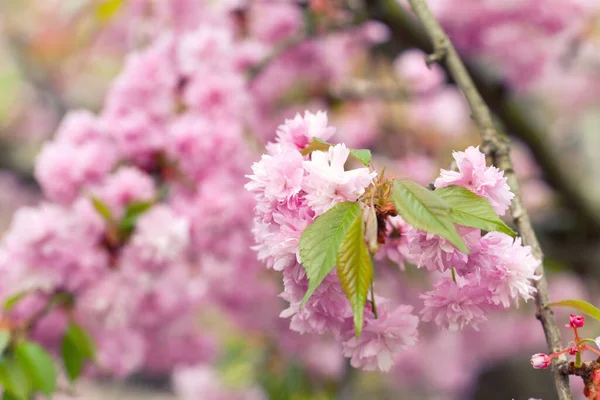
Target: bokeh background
x=536, y=61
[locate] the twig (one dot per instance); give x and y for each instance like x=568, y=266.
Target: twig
x=560, y=175
x=499, y=149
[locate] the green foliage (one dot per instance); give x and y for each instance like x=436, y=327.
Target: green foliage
x=4, y=340
x=469, y=209
x=102, y=209
x=14, y=380
x=425, y=210
x=579, y=305
x=355, y=270
x=12, y=301
x=320, y=242
x=362, y=155
x=315, y=145
x=77, y=347
x=38, y=367
x=132, y=213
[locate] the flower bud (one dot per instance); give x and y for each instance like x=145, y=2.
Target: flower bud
x=573, y=350
x=575, y=321
x=540, y=361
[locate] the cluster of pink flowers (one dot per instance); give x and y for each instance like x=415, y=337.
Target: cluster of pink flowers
x=292, y=190
x=169, y=140
x=499, y=269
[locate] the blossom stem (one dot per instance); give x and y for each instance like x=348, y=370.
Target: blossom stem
x=453, y=275
x=586, y=347
x=578, y=362
x=586, y=340
x=373, y=305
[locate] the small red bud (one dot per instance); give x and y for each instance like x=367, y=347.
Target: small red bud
x=575, y=321
x=573, y=350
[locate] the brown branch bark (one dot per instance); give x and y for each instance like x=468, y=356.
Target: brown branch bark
x=498, y=148
x=561, y=176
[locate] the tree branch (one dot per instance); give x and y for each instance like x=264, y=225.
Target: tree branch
x=563, y=178
x=499, y=149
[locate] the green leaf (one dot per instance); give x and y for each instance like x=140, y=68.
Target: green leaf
x=38, y=366
x=320, y=242
x=72, y=358
x=580, y=305
x=362, y=155
x=9, y=396
x=14, y=380
x=102, y=208
x=107, y=9
x=4, y=340
x=77, y=346
x=132, y=213
x=12, y=301
x=315, y=145
x=355, y=270
x=469, y=209
x=425, y=210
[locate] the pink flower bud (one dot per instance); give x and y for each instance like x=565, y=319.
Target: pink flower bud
x=575, y=321
x=540, y=361
x=573, y=350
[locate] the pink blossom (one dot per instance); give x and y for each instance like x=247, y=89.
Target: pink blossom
x=192, y=138
x=382, y=339
x=298, y=132
x=325, y=311
x=147, y=83
x=327, y=183
x=62, y=168
x=507, y=268
x=137, y=136
x=411, y=68
x=445, y=111
x=218, y=95
x=80, y=127
x=436, y=253
x=205, y=43
x=120, y=351
x=474, y=175
x=160, y=237
x=43, y=239
x=279, y=176
x=126, y=185
x=454, y=305
x=273, y=22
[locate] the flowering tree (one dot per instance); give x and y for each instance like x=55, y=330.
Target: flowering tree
x=159, y=210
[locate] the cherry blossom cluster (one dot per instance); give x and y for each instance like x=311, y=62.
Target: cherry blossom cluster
x=147, y=219
x=291, y=190
x=499, y=270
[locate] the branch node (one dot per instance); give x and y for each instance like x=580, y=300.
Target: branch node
x=441, y=47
